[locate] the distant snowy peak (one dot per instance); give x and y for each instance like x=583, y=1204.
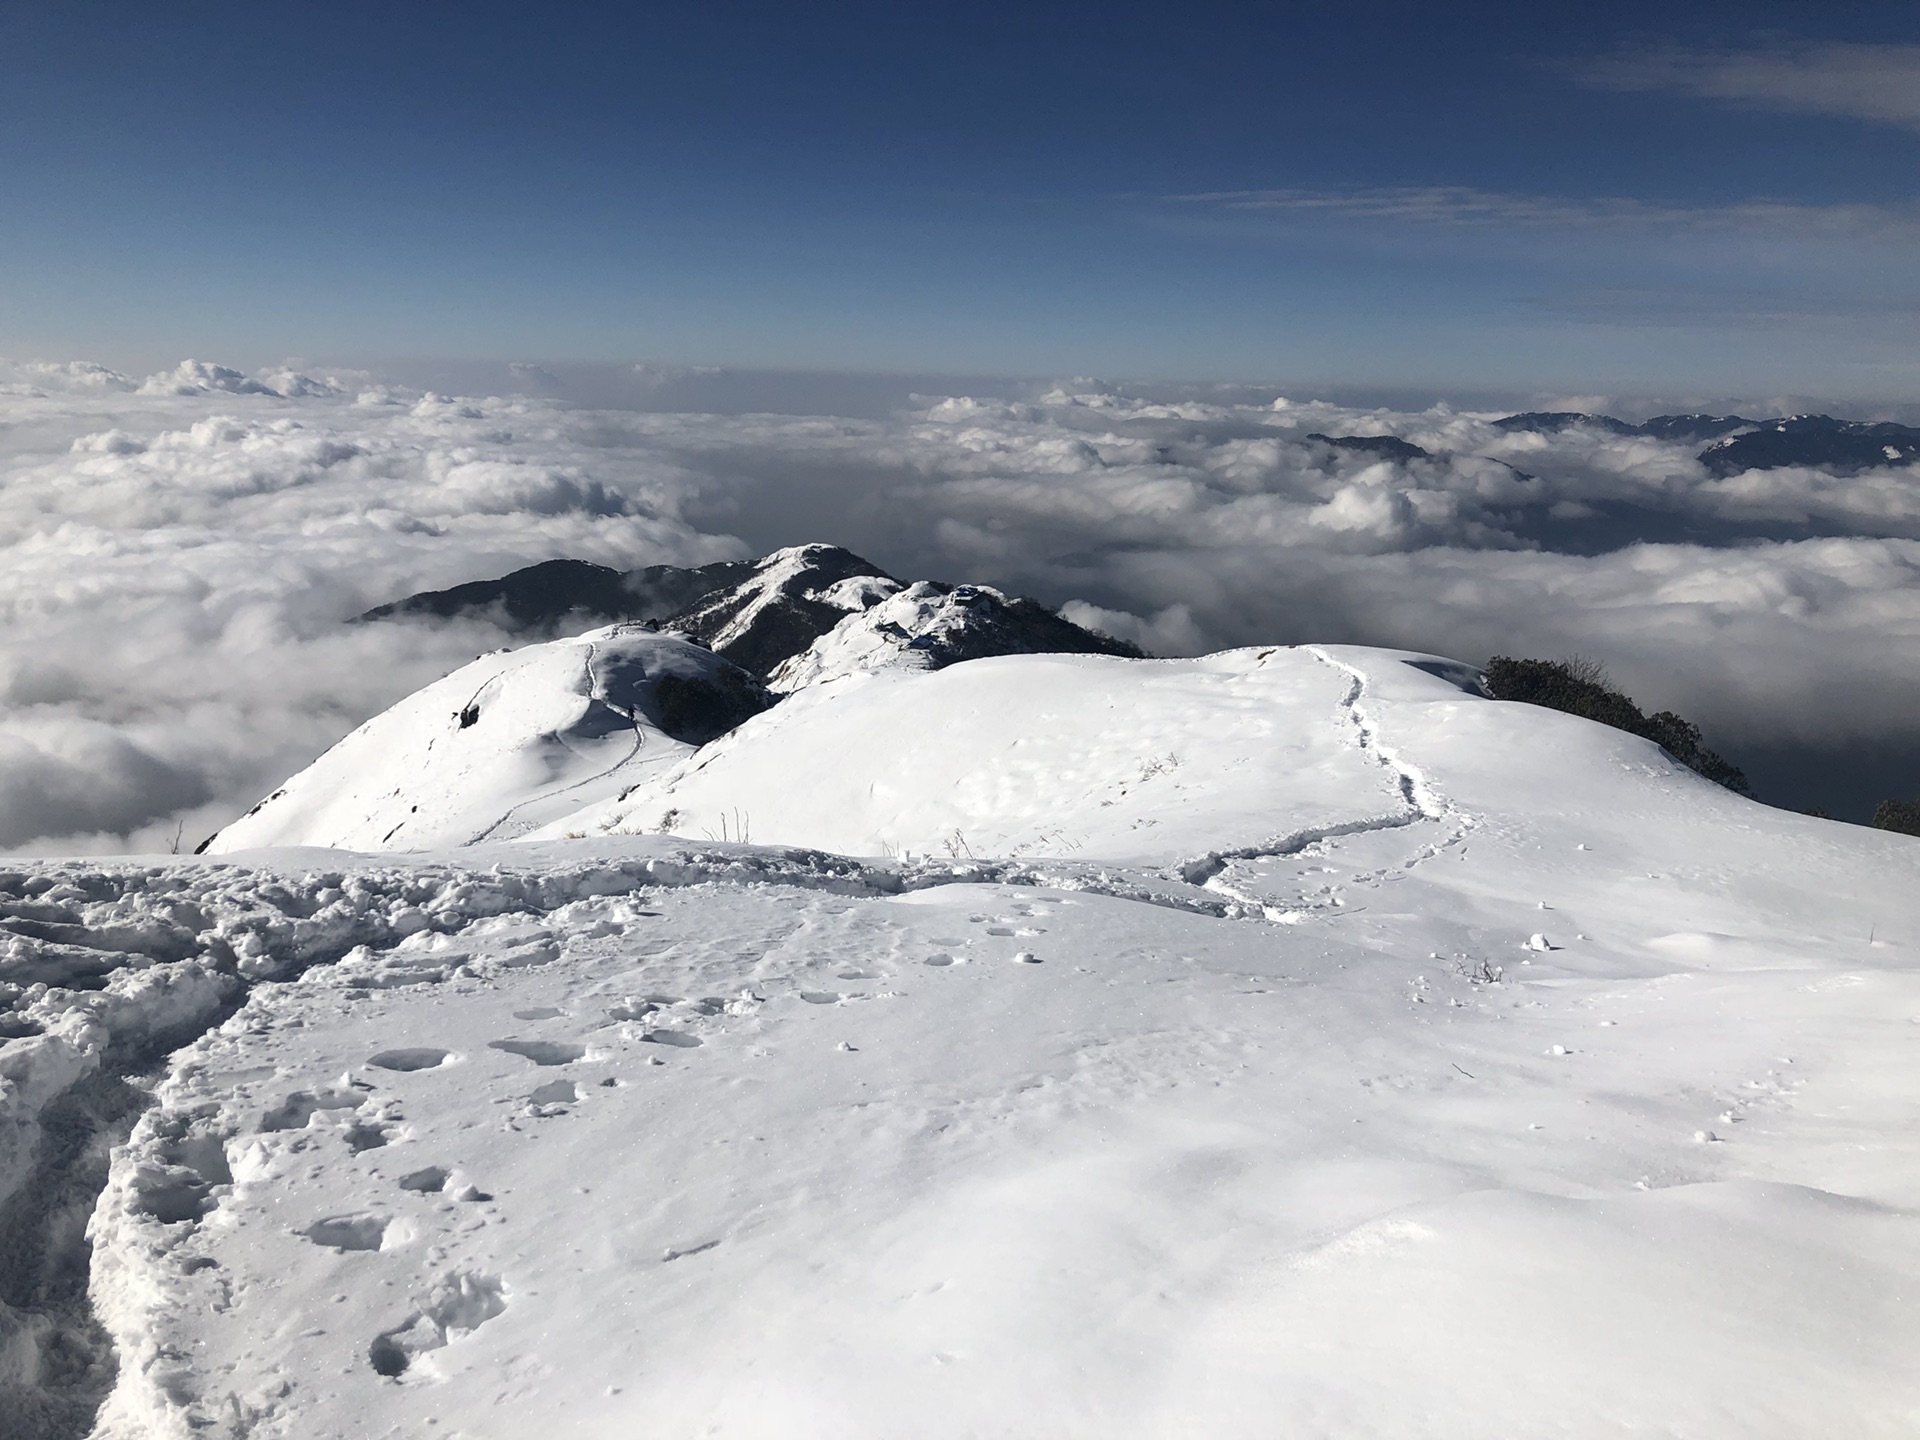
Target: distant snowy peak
x=756, y=613
x=766, y=614
x=779, y=609
x=510, y=742
x=927, y=626
x=1816, y=442
x=1678, y=428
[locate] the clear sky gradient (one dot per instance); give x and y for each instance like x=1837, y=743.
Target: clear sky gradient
x=1680, y=199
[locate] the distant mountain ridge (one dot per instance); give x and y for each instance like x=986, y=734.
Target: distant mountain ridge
x=763, y=614
x=546, y=594
x=1816, y=441
x=529, y=735
x=1739, y=444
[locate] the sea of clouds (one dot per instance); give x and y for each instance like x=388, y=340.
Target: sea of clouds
x=180, y=554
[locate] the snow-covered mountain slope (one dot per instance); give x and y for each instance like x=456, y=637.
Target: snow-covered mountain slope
x=1512, y=1080
x=507, y=743
x=928, y=626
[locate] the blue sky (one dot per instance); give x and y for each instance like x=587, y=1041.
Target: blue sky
x=1686, y=200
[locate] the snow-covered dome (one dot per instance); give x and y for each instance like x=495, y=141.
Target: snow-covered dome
x=507, y=743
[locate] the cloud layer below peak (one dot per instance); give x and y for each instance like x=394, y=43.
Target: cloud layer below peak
x=180, y=554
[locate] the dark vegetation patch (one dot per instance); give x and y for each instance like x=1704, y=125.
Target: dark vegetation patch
x=1580, y=687
x=1900, y=816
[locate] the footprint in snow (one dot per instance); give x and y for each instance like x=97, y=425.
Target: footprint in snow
x=820, y=997
x=554, y=1092
x=349, y=1232
x=678, y=1038
x=939, y=961
x=539, y=1012
x=299, y=1107
x=362, y=1137
x=423, y=1057
x=430, y=1181
x=541, y=1052
x=459, y=1305
x=541, y=952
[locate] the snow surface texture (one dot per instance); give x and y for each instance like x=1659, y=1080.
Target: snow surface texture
x=1513, y=1081
x=504, y=744
x=175, y=564
x=1148, y=762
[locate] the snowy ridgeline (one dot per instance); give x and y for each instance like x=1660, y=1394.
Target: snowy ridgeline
x=1290, y=1041
x=534, y=737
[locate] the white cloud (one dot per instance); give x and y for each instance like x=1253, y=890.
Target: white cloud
x=1866, y=82
x=175, y=568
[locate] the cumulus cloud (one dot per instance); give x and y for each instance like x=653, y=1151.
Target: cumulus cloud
x=180, y=555
x=1878, y=83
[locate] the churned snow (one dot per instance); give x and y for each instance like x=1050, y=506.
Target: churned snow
x=1430, y=1067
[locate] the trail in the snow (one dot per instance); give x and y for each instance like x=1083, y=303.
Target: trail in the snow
x=104, y=968
x=639, y=743
x=1409, y=782
x=1418, y=805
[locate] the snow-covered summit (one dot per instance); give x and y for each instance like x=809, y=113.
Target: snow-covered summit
x=760, y=614
x=781, y=608
x=1142, y=761
x=507, y=743
x=928, y=626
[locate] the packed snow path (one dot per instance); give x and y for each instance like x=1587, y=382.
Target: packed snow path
x=1579, y=1100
